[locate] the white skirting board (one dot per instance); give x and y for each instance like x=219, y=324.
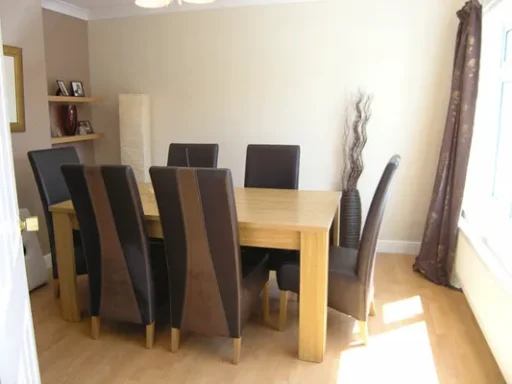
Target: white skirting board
x=383, y=246
x=399, y=247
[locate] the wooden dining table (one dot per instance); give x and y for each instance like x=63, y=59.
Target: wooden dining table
x=268, y=218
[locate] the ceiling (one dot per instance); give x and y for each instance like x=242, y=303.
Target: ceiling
x=109, y=9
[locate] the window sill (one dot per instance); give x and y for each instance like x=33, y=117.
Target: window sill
x=489, y=259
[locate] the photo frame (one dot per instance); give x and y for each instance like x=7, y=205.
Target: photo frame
x=13, y=66
x=56, y=131
x=77, y=88
x=62, y=89
x=84, y=128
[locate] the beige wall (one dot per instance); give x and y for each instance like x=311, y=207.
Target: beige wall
x=67, y=58
x=22, y=26
x=282, y=74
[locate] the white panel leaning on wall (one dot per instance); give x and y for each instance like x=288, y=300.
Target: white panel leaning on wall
x=135, y=133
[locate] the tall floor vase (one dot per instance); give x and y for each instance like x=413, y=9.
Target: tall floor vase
x=350, y=219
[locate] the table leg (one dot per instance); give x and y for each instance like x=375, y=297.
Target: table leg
x=66, y=265
x=336, y=226
x=314, y=256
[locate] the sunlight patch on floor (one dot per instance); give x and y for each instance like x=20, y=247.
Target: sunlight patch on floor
x=403, y=356
x=402, y=310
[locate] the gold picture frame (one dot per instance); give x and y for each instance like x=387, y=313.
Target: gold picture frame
x=15, y=92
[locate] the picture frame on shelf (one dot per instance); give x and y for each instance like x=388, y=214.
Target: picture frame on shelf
x=78, y=89
x=62, y=89
x=84, y=128
x=56, y=131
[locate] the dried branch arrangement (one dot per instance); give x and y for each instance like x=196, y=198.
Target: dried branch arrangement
x=357, y=115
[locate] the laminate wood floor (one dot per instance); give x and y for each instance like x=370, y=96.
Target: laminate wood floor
x=422, y=334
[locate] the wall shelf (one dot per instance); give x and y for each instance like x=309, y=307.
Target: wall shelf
x=72, y=99
x=74, y=139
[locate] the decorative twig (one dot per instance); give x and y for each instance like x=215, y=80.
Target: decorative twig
x=354, y=139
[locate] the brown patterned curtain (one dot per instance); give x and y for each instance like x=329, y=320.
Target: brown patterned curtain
x=436, y=257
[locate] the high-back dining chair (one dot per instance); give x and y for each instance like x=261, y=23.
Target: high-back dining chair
x=272, y=166
x=52, y=189
x=211, y=291
x=351, y=271
x=193, y=155
x=276, y=167
x=117, y=249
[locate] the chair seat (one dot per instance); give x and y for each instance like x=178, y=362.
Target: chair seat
x=345, y=291
x=342, y=262
x=276, y=257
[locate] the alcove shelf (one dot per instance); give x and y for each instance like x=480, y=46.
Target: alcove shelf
x=73, y=99
x=74, y=139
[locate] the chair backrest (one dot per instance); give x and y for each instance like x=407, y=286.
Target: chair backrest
x=368, y=245
x=125, y=242
x=198, y=215
x=52, y=188
x=75, y=178
x=121, y=281
x=272, y=166
x=193, y=155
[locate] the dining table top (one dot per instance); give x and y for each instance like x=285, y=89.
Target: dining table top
x=258, y=208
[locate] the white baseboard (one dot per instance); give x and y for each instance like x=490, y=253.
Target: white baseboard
x=48, y=260
x=399, y=247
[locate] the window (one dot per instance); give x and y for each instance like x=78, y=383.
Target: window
x=502, y=186
x=488, y=195
x=508, y=46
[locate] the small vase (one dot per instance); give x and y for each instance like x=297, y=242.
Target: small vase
x=350, y=219
x=69, y=119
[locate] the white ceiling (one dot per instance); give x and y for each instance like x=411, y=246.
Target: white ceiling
x=109, y=9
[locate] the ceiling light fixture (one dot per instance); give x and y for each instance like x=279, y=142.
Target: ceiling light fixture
x=165, y=3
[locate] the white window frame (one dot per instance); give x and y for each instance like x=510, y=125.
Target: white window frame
x=486, y=215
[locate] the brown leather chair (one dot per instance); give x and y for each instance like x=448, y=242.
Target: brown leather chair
x=350, y=271
x=193, y=155
x=211, y=292
x=52, y=189
x=122, y=282
x=273, y=167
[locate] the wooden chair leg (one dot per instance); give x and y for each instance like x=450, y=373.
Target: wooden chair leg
x=363, y=331
x=283, y=309
x=95, y=327
x=266, y=304
x=373, y=311
x=150, y=335
x=237, y=350
x=56, y=288
x=175, y=340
